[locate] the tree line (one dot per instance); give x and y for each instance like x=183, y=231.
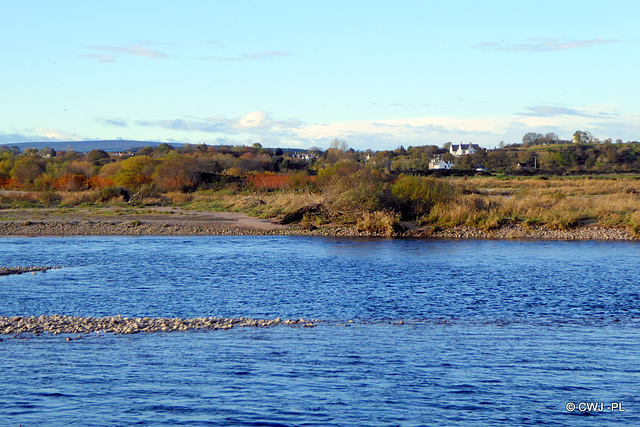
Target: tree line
x=203, y=167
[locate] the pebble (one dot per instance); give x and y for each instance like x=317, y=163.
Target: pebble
x=518, y=231
x=61, y=324
x=107, y=228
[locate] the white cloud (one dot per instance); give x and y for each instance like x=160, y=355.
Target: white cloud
x=58, y=135
x=385, y=134
x=261, y=126
x=37, y=135
x=487, y=131
x=253, y=122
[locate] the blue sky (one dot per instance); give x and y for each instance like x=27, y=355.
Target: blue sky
x=378, y=74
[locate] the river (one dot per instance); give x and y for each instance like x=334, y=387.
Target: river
x=410, y=332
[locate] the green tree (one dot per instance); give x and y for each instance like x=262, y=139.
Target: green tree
x=98, y=157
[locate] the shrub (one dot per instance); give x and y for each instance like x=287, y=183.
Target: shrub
x=416, y=195
x=300, y=180
x=380, y=222
x=268, y=181
x=79, y=197
x=147, y=194
x=109, y=193
x=49, y=198
x=367, y=190
x=178, y=198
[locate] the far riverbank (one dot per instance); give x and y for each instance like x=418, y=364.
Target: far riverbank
x=161, y=221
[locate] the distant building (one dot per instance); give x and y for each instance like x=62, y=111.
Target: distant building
x=304, y=156
x=438, y=163
x=463, y=149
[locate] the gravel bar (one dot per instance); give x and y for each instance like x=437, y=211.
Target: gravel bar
x=61, y=324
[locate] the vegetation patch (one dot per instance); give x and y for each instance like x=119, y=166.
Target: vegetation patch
x=540, y=183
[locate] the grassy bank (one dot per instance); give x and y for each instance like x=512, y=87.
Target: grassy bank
x=384, y=204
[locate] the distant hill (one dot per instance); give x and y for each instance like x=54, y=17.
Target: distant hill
x=86, y=146
x=110, y=145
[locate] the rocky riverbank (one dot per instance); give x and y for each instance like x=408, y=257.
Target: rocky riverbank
x=177, y=222
x=60, y=324
x=517, y=231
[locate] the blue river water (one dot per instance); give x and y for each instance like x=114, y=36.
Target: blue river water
x=442, y=332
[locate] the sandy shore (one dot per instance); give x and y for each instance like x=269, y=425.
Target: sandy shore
x=163, y=221
x=114, y=221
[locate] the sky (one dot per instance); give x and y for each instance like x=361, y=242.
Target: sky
x=299, y=74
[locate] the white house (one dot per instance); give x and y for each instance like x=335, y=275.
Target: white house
x=438, y=163
x=463, y=149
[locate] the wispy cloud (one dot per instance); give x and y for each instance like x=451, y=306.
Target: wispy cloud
x=135, y=50
x=112, y=122
x=543, y=45
x=102, y=58
x=552, y=111
x=215, y=43
x=255, y=56
x=398, y=104
x=254, y=122
x=210, y=125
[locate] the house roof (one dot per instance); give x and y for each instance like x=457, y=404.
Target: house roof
x=464, y=146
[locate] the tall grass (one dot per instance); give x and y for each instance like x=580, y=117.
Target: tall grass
x=557, y=203
x=385, y=223
x=264, y=205
x=374, y=201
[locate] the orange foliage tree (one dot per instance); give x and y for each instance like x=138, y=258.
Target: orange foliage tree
x=70, y=182
x=7, y=183
x=99, y=182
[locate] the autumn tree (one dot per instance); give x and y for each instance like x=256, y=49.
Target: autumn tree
x=26, y=172
x=177, y=172
x=6, y=165
x=135, y=172
x=70, y=182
